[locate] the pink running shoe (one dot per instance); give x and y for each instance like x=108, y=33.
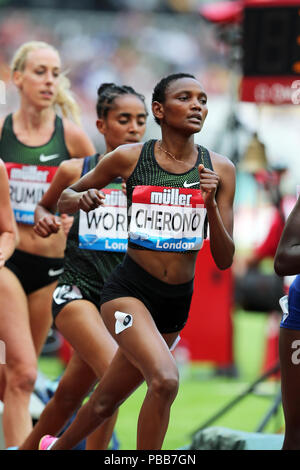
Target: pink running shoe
x=47, y=442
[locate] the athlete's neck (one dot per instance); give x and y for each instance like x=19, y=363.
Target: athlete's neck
x=182, y=147
x=32, y=119
x=109, y=148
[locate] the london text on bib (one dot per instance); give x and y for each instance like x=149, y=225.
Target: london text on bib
x=167, y=219
x=27, y=183
x=105, y=228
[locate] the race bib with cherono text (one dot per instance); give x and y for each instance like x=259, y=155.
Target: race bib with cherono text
x=167, y=219
x=27, y=184
x=105, y=228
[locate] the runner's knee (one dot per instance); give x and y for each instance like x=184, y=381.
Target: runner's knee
x=22, y=378
x=164, y=385
x=103, y=407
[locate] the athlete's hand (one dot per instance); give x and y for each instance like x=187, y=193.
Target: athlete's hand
x=91, y=199
x=47, y=225
x=209, y=181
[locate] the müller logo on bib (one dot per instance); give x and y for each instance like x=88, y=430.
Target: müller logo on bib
x=167, y=219
x=27, y=183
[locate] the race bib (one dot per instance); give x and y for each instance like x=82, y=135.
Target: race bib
x=105, y=228
x=27, y=183
x=167, y=219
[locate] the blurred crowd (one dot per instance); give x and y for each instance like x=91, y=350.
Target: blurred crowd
x=123, y=47
x=138, y=46
x=137, y=43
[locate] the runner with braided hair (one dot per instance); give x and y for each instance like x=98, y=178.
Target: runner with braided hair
x=174, y=188
x=90, y=257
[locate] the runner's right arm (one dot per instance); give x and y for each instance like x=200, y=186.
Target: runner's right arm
x=46, y=222
x=8, y=228
x=85, y=194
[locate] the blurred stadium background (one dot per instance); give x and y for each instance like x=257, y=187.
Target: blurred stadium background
x=138, y=42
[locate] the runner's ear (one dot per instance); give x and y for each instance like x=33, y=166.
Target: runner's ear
x=158, y=110
x=101, y=126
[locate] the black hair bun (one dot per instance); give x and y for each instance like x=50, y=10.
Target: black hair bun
x=104, y=87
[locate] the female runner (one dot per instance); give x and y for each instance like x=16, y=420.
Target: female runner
x=33, y=141
x=122, y=120
x=173, y=188
x=287, y=263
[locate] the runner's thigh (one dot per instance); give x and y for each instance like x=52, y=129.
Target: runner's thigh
x=14, y=320
x=141, y=342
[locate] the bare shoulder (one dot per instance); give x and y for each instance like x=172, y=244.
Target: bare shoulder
x=70, y=170
x=71, y=129
x=129, y=151
x=78, y=142
x=72, y=166
x=126, y=156
x=221, y=164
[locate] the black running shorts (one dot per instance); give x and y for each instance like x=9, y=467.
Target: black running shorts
x=33, y=271
x=168, y=304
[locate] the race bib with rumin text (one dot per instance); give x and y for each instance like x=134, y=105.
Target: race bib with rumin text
x=27, y=184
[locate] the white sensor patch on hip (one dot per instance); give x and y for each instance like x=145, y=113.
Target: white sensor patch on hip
x=123, y=321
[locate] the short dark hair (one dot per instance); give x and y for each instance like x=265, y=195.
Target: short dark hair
x=108, y=92
x=159, y=92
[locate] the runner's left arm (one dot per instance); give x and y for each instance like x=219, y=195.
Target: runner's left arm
x=218, y=194
x=8, y=228
x=46, y=222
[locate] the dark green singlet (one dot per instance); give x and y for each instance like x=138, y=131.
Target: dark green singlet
x=87, y=269
x=148, y=173
x=50, y=154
